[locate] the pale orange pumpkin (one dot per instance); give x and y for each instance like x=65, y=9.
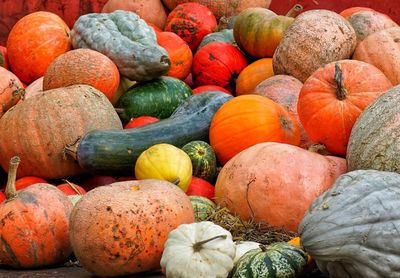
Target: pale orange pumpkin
x=11, y=89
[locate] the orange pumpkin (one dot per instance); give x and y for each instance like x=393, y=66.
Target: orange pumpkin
x=252, y=75
x=275, y=183
x=11, y=90
x=121, y=228
x=34, y=229
x=331, y=100
x=179, y=53
x=247, y=120
x=34, y=42
x=26, y=181
x=350, y=11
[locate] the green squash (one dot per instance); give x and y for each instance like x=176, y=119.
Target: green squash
x=278, y=260
x=203, y=207
x=225, y=35
x=203, y=159
x=126, y=39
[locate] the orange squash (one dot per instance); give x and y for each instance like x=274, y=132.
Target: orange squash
x=275, y=183
x=34, y=42
x=247, y=120
x=11, y=89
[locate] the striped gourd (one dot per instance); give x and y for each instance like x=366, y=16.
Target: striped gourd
x=202, y=206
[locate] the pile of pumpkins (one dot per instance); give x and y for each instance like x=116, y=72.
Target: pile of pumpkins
x=122, y=135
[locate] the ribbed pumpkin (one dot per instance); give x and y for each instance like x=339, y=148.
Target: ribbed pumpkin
x=315, y=38
x=3, y=57
x=285, y=90
x=34, y=226
x=331, y=100
x=218, y=63
x=247, y=120
x=39, y=128
x=252, y=75
x=121, y=228
x=34, y=42
x=83, y=66
x=179, y=53
x=350, y=11
x=258, y=31
x=11, y=90
x=387, y=59
x=275, y=183
x=192, y=22
x=375, y=137
x=366, y=23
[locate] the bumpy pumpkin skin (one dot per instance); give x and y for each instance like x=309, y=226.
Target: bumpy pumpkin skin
x=126, y=39
x=121, y=228
x=11, y=90
x=375, y=137
x=315, y=38
x=275, y=182
x=352, y=229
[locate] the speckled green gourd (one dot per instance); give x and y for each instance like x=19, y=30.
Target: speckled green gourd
x=126, y=39
x=203, y=207
x=158, y=98
x=225, y=35
x=278, y=260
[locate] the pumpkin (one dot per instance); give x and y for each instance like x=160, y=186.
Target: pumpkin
x=335, y=95
x=279, y=259
x=2, y=197
x=120, y=229
x=366, y=23
x=34, y=230
x=374, y=139
x=315, y=38
x=225, y=35
x=34, y=89
x=258, y=31
x=200, y=187
x=165, y=162
x=126, y=39
x=202, y=206
x=247, y=120
x=179, y=53
x=24, y=182
x=34, y=42
x=242, y=247
x=351, y=230
x=83, y=66
x=140, y=121
x=151, y=11
x=203, y=159
x=346, y=13
x=387, y=58
x=11, y=90
x=192, y=22
x=218, y=63
x=46, y=123
x=252, y=75
x=3, y=57
x=69, y=188
x=222, y=7
x=258, y=181
x=207, y=88
x=201, y=249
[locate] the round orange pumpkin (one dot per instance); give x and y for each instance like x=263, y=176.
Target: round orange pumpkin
x=121, y=228
x=247, y=120
x=275, y=183
x=83, y=66
x=34, y=42
x=11, y=89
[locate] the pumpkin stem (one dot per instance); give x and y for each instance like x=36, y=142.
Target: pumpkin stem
x=71, y=150
x=199, y=245
x=11, y=191
x=73, y=187
x=341, y=91
x=294, y=10
x=263, y=247
x=120, y=111
x=176, y=181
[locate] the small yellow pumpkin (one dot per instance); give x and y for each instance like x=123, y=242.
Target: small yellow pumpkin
x=165, y=162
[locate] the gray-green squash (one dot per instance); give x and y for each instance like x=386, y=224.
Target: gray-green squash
x=353, y=229
x=126, y=39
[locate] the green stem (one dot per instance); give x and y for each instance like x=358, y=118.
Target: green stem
x=294, y=10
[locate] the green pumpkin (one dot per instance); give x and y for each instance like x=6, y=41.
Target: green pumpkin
x=203, y=159
x=203, y=207
x=278, y=260
x=225, y=35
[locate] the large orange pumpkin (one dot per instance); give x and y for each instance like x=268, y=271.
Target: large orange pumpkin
x=34, y=42
x=331, y=100
x=275, y=183
x=247, y=120
x=34, y=226
x=121, y=228
x=83, y=66
x=11, y=90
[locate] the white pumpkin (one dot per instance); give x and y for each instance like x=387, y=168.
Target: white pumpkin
x=201, y=249
x=242, y=247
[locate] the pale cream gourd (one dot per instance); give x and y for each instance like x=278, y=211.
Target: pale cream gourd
x=242, y=247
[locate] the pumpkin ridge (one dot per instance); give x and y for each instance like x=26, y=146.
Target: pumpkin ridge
x=10, y=251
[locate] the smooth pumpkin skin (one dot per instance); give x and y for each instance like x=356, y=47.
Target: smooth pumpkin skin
x=200, y=187
x=346, y=13
x=151, y=11
x=387, y=58
x=206, y=88
x=34, y=89
x=248, y=120
x=275, y=182
x=139, y=121
x=327, y=113
x=34, y=42
x=83, y=66
x=121, y=228
x=24, y=182
x=252, y=75
x=11, y=90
